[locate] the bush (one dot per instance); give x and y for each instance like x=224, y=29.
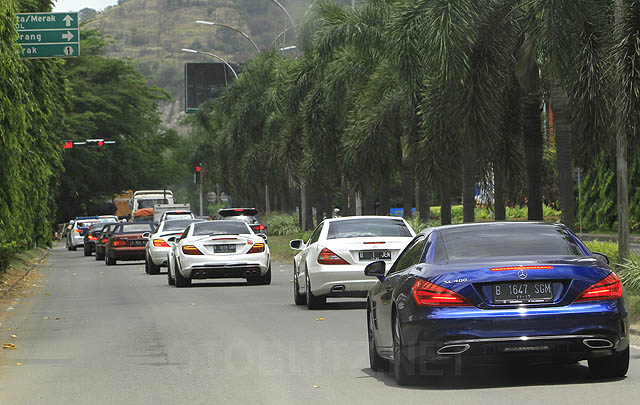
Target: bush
x=281, y=224
x=608, y=248
x=630, y=274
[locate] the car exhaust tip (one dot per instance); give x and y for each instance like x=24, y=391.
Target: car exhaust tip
x=598, y=343
x=453, y=349
x=338, y=289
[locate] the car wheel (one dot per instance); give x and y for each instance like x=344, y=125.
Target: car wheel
x=109, y=259
x=170, y=280
x=298, y=298
x=74, y=248
x=68, y=247
x=612, y=366
x=99, y=256
x=313, y=302
x=376, y=362
x=87, y=250
x=180, y=280
x=404, y=371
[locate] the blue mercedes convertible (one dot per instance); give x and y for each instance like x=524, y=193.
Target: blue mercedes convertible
x=490, y=293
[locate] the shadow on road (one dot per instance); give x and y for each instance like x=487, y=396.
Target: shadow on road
x=220, y=284
x=499, y=377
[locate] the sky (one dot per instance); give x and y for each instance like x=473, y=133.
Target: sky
x=77, y=5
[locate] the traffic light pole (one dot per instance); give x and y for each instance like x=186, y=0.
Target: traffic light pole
x=201, y=176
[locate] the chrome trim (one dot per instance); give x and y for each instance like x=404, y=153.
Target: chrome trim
x=462, y=348
x=589, y=343
x=520, y=339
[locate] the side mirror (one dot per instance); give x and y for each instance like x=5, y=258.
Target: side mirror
x=146, y=235
x=296, y=244
x=376, y=269
x=263, y=236
x=602, y=257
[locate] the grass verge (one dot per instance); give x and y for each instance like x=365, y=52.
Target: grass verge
x=17, y=267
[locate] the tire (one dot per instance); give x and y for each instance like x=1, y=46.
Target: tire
x=73, y=248
x=376, y=362
x=180, y=280
x=149, y=266
x=612, y=366
x=87, y=250
x=404, y=371
x=261, y=280
x=68, y=247
x=170, y=280
x=109, y=260
x=99, y=256
x=313, y=302
x=298, y=298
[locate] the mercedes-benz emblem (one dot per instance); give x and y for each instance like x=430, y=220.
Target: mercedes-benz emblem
x=522, y=274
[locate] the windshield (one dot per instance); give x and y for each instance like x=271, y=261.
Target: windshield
x=221, y=228
x=151, y=202
x=502, y=241
x=135, y=228
x=177, y=225
x=364, y=227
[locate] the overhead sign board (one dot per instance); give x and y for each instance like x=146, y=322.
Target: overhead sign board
x=204, y=81
x=48, y=35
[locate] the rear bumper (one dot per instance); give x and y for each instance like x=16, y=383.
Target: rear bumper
x=571, y=333
x=128, y=253
x=224, y=267
x=340, y=281
x=76, y=240
x=159, y=255
x=230, y=271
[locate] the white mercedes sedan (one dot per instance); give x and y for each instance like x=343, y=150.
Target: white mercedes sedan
x=218, y=249
x=157, y=247
x=331, y=263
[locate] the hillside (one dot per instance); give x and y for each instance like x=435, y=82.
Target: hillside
x=152, y=33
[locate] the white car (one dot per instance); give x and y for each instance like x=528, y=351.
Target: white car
x=157, y=247
x=75, y=237
x=219, y=249
x=331, y=264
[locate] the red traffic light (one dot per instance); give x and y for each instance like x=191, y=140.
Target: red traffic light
x=68, y=145
x=198, y=169
x=100, y=143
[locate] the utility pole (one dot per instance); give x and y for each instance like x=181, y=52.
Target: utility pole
x=201, y=181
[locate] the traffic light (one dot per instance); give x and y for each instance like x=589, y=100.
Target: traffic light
x=197, y=174
x=68, y=145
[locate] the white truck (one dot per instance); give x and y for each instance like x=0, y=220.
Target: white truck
x=149, y=198
x=171, y=211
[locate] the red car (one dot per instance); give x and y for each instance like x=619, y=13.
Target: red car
x=126, y=242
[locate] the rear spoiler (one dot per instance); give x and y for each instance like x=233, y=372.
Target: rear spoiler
x=229, y=212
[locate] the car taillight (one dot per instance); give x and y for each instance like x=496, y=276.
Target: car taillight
x=191, y=250
x=91, y=237
x=326, y=256
x=609, y=288
x=160, y=243
x=257, y=248
x=119, y=243
x=260, y=227
x=103, y=240
x=77, y=230
x=429, y=294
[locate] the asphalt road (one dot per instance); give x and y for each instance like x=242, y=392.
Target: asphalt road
x=115, y=335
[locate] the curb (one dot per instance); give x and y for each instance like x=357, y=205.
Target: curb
x=634, y=331
x=33, y=266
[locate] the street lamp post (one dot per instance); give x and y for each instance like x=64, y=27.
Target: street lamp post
x=213, y=56
x=215, y=24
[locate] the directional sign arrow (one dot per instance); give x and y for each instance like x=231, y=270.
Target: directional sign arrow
x=68, y=20
x=68, y=36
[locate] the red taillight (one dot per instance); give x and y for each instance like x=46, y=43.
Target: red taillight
x=522, y=268
x=260, y=227
x=160, y=243
x=77, y=230
x=91, y=237
x=104, y=240
x=326, y=256
x=426, y=293
x=609, y=288
x=119, y=243
x=238, y=210
x=191, y=250
x=257, y=248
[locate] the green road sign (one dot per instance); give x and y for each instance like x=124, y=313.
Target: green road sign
x=48, y=35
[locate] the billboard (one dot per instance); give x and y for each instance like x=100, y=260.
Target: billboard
x=204, y=81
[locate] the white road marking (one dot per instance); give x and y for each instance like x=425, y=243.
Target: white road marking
x=635, y=347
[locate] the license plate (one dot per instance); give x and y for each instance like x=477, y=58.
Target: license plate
x=374, y=255
x=138, y=242
x=224, y=248
x=523, y=292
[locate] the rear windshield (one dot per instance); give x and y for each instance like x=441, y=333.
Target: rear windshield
x=243, y=218
x=85, y=224
x=99, y=225
x=178, y=215
x=364, y=227
x=221, y=228
x=135, y=228
x=502, y=241
x=151, y=202
x=177, y=225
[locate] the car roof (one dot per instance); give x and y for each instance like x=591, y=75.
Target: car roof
x=531, y=224
x=364, y=217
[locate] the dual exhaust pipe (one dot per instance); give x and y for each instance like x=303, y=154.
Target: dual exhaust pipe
x=453, y=349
